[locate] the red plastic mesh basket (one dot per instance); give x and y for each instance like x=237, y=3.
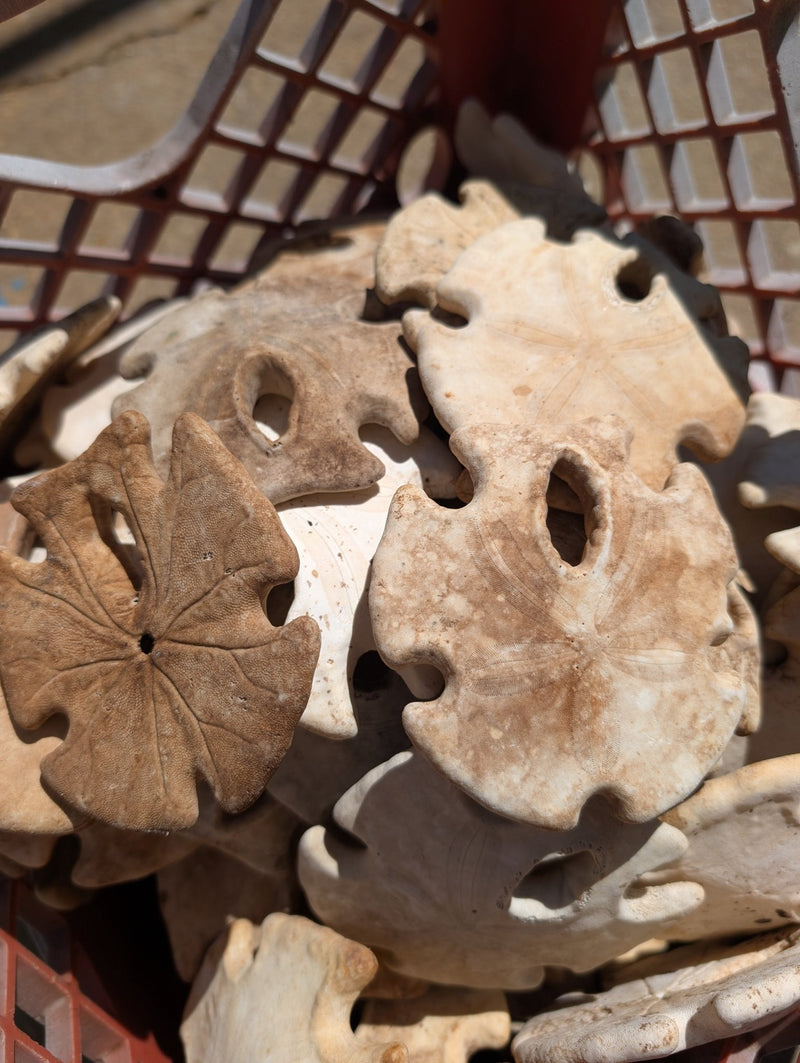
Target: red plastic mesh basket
x=690, y=107
x=686, y=106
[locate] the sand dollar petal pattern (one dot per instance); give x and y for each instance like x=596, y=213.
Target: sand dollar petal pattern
x=464, y=897
x=564, y=679
x=552, y=336
x=159, y=654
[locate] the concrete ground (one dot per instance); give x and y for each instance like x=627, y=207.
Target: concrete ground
x=92, y=81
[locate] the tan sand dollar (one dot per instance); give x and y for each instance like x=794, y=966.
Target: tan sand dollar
x=558, y=332
x=159, y=653
x=565, y=678
x=298, y=332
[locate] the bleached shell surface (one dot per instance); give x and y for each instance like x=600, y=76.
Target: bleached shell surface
x=35, y=361
x=336, y=537
x=755, y=529
x=444, y=890
x=665, y=1013
x=772, y=476
x=550, y=337
x=564, y=680
x=73, y=413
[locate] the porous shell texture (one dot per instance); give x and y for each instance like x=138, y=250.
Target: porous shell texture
x=160, y=655
x=446, y=891
x=754, y=985
x=563, y=680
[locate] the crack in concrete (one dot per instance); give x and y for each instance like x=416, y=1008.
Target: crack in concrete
x=108, y=57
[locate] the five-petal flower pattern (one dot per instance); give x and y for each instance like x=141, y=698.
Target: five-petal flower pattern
x=160, y=653
x=563, y=680
x=552, y=336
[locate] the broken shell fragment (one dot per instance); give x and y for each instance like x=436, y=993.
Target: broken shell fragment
x=565, y=678
x=422, y=242
x=536, y=178
x=194, y=916
x=281, y=993
x=559, y=332
x=757, y=983
x=444, y=1025
x=36, y=361
x=160, y=654
x=316, y=770
x=464, y=897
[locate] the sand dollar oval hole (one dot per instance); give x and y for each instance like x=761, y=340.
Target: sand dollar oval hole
x=570, y=511
x=634, y=279
x=271, y=414
x=268, y=391
x=555, y=882
x=279, y=601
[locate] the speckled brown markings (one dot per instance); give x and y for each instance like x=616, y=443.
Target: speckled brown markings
x=159, y=654
x=551, y=337
x=564, y=680
x=663, y=1011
